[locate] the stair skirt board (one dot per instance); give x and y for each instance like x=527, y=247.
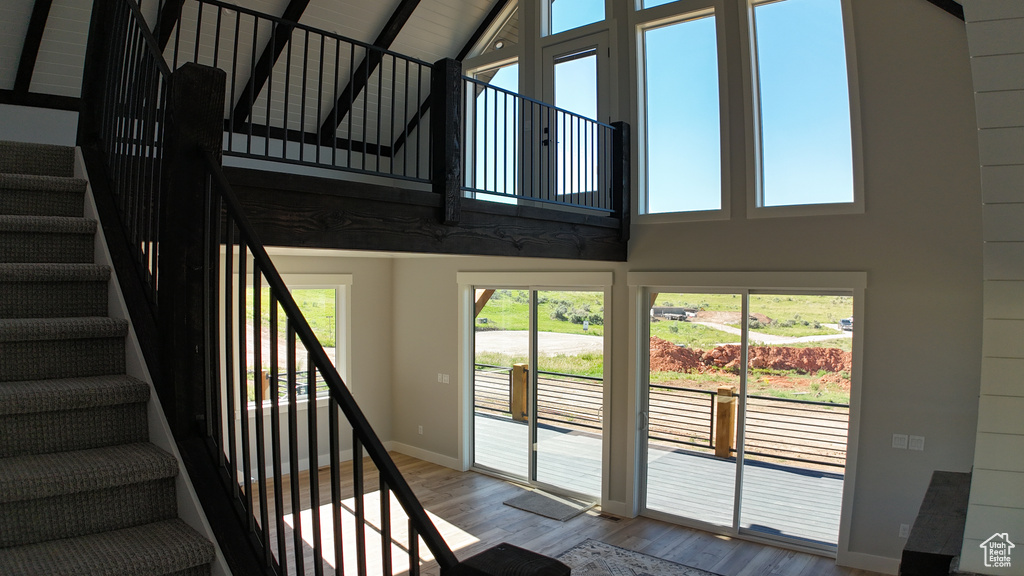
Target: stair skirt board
x=82, y=491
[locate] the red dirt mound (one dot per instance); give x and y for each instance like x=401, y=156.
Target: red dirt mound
x=668, y=357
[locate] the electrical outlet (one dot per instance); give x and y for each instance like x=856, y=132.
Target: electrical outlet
x=917, y=443
x=440, y=377
x=904, y=530
x=419, y=430
x=447, y=379
x=899, y=441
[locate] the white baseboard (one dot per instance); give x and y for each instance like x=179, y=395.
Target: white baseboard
x=432, y=457
x=869, y=562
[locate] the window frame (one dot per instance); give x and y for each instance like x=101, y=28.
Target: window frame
x=666, y=15
x=755, y=193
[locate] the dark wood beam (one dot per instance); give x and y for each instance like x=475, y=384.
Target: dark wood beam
x=167, y=20
x=954, y=8
x=36, y=100
x=361, y=75
x=30, y=49
x=480, y=30
x=271, y=52
x=305, y=211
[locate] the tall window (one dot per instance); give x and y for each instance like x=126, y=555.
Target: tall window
x=802, y=104
x=683, y=122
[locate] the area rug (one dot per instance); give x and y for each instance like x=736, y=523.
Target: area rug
x=548, y=505
x=593, y=558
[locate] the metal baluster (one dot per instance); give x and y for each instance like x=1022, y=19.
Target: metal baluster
x=275, y=430
x=360, y=511
x=293, y=449
x=319, y=98
x=243, y=383
x=261, y=455
x=234, y=74
x=332, y=413
x=302, y=109
x=314, y=466
x=229, y=348
x=270, y=90
x=385, y=526
x=252, y=93
x=414, y=550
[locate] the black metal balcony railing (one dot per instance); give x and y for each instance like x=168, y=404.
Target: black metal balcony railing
x=301, y=95
x=518, y=147
x=562, y=399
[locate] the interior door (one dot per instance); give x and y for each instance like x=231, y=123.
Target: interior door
x=575, y=76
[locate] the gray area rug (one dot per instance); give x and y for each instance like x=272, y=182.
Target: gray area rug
x=593, y=558
x=548, y=505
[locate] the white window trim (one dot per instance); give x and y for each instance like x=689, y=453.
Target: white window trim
x=753, y=153
x=341, y=283
x=666, y=14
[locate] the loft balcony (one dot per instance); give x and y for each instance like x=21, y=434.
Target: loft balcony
x=335, y=143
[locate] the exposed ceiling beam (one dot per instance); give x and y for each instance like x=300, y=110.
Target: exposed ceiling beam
x=954, y=8
x=361, y=75
x=488, y=20
x=482, y=29
x=167, y=20
x=37, y=100
x=30, y=50
x=268, y=59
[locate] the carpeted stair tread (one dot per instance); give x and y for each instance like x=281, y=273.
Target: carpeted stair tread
x=37, y=159
x=33, y=329
x=53, y=272
x=47, y=224
x=34, y=396
x=45, y=475
x=32, y=182
x=159, y=548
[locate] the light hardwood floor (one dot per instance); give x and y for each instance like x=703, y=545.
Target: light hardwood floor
x=468, y=509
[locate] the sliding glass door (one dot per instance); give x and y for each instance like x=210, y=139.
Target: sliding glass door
x=538, y=387
x=746, y=411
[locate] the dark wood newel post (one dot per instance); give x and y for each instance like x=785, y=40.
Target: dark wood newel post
x=446, y=136
x=622, y=201
x=195, y=124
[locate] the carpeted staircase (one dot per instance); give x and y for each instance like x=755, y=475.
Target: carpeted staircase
x=82, y=491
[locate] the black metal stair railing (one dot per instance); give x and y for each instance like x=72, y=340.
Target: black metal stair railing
x=169, y=213
x=243, y=418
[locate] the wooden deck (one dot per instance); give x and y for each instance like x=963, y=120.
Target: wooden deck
x=468, y=510
x=777, y=500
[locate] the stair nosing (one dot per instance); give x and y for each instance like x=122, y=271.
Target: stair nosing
x=47, y=224
x=29, y=477
x=62, y=394
x=11, y=272
x=120, y=550
x=44, y=329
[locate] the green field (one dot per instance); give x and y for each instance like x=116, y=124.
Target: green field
x=509, y=310
x=791, y=315
x=317, y=305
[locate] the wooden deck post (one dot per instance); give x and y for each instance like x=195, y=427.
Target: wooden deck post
x=520, y=384
x=725, y=421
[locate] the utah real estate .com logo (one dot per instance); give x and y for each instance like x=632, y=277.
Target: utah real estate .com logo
x=997, y=550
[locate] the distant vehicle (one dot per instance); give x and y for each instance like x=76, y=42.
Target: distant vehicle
x=846, y=324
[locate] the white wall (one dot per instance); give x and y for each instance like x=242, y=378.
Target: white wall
x=38, y=125
x=995, y=29
x=919, y=241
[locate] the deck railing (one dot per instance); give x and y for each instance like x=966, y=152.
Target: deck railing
x=562, y=399
x=794, y=430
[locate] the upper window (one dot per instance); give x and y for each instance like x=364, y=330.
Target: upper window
x=803, y=140
x=568, y=14
x=682, y=127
